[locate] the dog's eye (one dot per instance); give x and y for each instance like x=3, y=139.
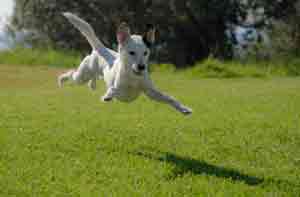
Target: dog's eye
x=145, y=53
x=132, y=53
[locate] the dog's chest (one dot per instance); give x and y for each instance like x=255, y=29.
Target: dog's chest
x=129, y=88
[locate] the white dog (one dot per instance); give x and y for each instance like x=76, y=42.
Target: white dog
x=125, y=72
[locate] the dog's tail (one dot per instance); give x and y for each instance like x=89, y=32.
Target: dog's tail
x=85, y=29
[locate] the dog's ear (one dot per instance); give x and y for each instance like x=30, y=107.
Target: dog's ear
x=149, y=35
x=123, y=33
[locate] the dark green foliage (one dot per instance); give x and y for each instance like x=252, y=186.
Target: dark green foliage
x=188, y=30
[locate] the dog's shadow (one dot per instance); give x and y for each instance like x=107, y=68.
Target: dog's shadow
x=185, y=165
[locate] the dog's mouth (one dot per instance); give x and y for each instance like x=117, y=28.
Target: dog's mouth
x=138, y=72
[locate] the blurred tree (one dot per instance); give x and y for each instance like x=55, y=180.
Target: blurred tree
x=283, y=18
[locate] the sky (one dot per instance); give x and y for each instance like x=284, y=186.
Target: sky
x=6, y=7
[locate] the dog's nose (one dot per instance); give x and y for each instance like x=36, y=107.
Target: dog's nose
x=141, y=66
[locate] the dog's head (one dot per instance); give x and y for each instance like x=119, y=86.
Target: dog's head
x=135, y=49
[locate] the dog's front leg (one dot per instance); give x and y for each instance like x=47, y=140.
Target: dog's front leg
x=109, y=95
x=156, y=95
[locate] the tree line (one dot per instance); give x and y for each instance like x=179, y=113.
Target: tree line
x=188, y=30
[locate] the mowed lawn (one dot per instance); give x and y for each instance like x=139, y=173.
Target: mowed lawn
x=243, y=138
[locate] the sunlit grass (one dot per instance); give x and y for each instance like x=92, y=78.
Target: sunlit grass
x=35, y=56
x=242, y=139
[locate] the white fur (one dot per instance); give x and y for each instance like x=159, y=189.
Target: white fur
x=120, y=70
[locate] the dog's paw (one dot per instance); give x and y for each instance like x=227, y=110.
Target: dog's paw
x=106, y=99
x=186, y=111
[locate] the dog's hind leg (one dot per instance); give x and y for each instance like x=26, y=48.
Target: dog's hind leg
x=79, y=76
x=86, y=29
x=64, y=77
x=97, y=69
x=92, y=84
x=72, y=75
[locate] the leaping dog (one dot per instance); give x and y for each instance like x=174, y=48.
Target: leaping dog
x=125, y=72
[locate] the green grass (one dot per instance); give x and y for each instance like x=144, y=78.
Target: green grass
x=36, y=56
x=243, y=138
x=213, y=68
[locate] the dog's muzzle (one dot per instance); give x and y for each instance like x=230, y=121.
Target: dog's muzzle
x=139, y=69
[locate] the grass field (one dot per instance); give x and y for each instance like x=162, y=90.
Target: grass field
x=243, y=138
